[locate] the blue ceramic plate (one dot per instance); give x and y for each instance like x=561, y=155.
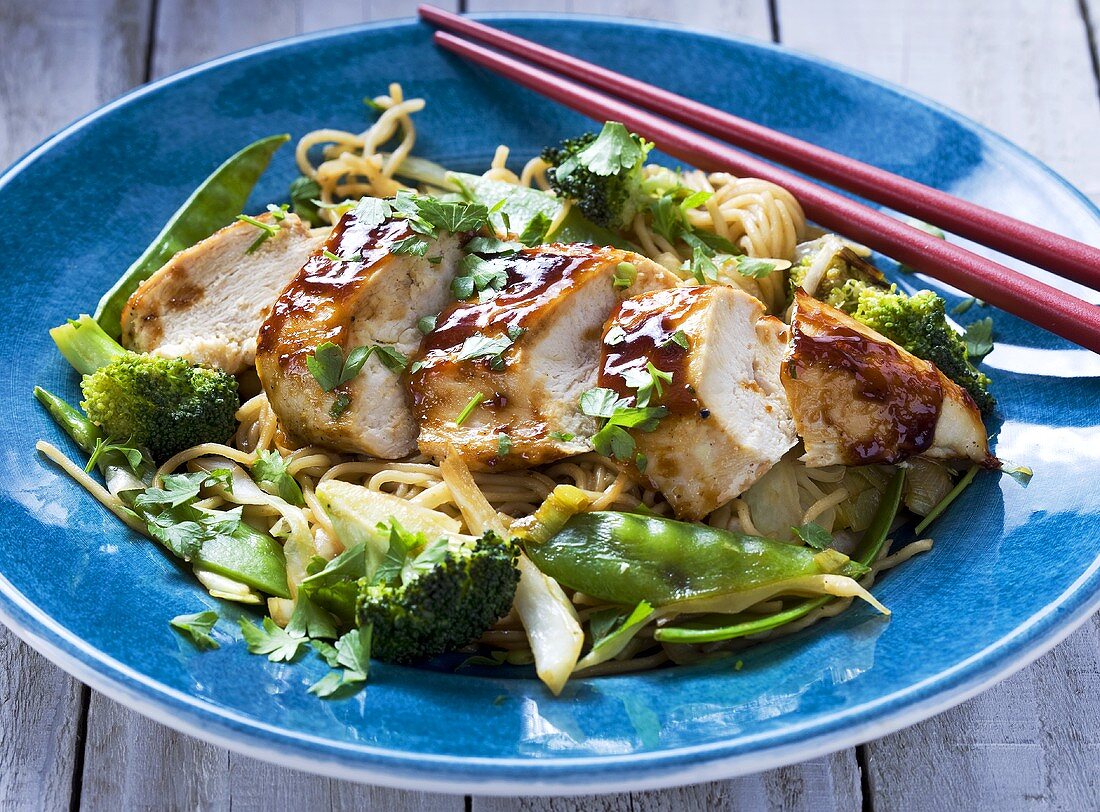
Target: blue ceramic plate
x=1013, y=570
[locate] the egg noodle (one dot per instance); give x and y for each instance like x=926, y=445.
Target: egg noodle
x=762, y=219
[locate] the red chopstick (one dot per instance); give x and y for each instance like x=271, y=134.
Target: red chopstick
x=1027, y=298
x=1064, y=256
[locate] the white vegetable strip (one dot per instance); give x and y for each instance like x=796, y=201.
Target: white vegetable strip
x=112, y=503
x=551, y=623
x=476, y=510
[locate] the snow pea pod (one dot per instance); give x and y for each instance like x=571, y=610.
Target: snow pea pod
x=217, y=201
x=627, y=558
x=711, y=630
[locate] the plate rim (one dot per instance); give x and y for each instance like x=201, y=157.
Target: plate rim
x=382, y=766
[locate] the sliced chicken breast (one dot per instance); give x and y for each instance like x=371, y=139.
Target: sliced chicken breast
x=727, y=420
x=369, y=297
x=500, y=379
x=207, y=303
x=859, y=398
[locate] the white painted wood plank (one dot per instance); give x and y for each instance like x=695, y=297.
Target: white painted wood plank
x=829, y=784
x=58, y=59
x=748, y=18
x=1031, y=742
x=1023, y=69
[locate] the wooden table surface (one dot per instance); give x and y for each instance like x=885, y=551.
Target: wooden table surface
x=1026, y=68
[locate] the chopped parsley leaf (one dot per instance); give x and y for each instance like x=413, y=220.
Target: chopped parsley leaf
x=646, y=381
x=678, y=338
x=613, y=440
x=426, y=324
x=534, y=233
x=197, y=628
x=479, y=346
x=702, y=267
x=979, y=338
x=814, y=535
x=615, y=149
x=504, y=445
x=279, y=645
x=755, y=268
x=477, y=274
x=563, y=436
x=468, y=409
x=270, y=473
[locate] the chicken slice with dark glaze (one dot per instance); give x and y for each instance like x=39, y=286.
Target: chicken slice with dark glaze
x=501, y=379
x=859, y=398
x=369, y=297
x=718, y=357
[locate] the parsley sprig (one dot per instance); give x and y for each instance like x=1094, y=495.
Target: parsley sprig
x=618, y=414
x=267, y=229
x=270, y=472
x=197, y=628
x=332, y=370
x=646, y=380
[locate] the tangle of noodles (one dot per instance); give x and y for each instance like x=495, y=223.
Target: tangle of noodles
x=762, y=219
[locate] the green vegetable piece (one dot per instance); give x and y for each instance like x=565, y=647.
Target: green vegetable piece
x=979, y=338
x=627, y=558
x=352, y=652
x=162, y=404
x=303, y=192
x=83, y=431
x=523, y=205
x=870, y=545
x=270, y=471
x=214, y=204
x=814, y=535
x=440, y=603
x=248, y=556
x=197, y=627
x=602, y=174
x=279, y=645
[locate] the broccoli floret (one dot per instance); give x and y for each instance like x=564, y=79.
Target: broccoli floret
x=844, y=264
x=601, y=174
x=162, y=404
x=919, y=324
x=444, y=606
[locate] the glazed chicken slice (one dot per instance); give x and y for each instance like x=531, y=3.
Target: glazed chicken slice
x=207, y=303
x=500, y=379
x=859, y=398
x=371, y=297
x=718, y=355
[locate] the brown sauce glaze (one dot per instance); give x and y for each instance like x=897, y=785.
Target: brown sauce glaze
x=907, y=396
x=648, y=323
x=321, y=287
x=535, y=277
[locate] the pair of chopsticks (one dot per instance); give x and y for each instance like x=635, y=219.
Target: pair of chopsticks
x=625, y=98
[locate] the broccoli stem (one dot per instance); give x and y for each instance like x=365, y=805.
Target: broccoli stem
x=85, y=345
x=84, y=432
